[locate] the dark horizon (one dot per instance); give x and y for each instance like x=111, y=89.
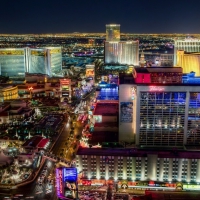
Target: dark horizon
x=65, y=16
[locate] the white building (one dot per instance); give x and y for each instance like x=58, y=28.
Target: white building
x=188, y=45
x=139, y=165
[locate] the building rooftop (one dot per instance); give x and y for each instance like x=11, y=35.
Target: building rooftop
x=158, y=69
x=136, y=152
x=106, y=109
x=36, y=142
x=128, y=79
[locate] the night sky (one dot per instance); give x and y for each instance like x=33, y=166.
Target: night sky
x=67, y=16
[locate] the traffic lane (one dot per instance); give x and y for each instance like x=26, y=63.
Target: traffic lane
x=62, y=138
x=42, y=185
x=63, y=142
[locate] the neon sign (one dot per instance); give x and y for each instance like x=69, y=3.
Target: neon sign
x=65, y=81
x=59, y=182
x=156, y=88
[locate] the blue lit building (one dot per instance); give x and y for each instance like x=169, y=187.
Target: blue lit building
x=161, y=114
x=191, y=78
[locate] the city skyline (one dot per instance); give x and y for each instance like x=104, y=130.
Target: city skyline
x=144, y=16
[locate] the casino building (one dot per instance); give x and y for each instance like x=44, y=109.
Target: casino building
x=46, y=60
x=159, y=118
x=134, y=164
x=116, y=51
x=189, y=45
x=13, y=62
x=164, y=113
x=16, y=62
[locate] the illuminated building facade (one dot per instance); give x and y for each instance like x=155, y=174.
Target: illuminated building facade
x=123, y=52
x=189, y=62
x=8, y=92
x=16, y=62
x=90, y=73
x=38, y=61
x=188, y=45
x=162, y=114
x=139, y=165
x=65, y=90
x=47, y=60
x=113, y=32
x=157, y=74
x=13, y=62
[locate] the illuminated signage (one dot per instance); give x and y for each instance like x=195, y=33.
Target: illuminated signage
x=59, y=182
x=191, y=187
x=133, y=93
x=70, y=174
x=65, y=81
x=86, y=182
x=12, y=52
x=156, y=88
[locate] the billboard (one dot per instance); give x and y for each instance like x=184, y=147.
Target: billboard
x=70, y=174
x=66, y=181
x=126, y=112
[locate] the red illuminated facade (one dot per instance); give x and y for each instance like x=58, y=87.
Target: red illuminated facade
x=158, y=75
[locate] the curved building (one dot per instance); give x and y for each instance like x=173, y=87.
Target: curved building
x=188, y=45
x=189, y=62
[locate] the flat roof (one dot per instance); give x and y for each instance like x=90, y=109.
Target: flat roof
x=106, y=109
x=128, y=79
x=136, y=152
x=106, y=124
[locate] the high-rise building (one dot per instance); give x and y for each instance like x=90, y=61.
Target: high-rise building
x=188, y=45
x=189, y=62
x=123, y=52
x=161, y=114
x=16, y=62
x=46, y=60
x=113, y=32
x=38, y=61
x=54, y=60
x=13, y=62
